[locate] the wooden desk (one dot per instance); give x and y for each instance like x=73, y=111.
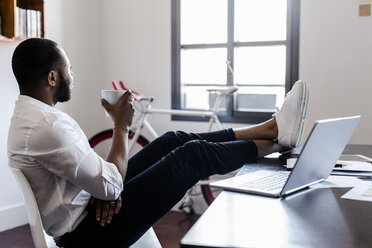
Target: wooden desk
x=310, y=218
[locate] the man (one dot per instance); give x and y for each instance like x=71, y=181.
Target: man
x=65, y=173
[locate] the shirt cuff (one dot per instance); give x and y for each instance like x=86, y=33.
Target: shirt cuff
x=112, y=175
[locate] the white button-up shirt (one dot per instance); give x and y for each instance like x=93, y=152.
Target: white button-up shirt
x=54, y=154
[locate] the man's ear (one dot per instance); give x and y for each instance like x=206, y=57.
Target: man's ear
x=52, y=78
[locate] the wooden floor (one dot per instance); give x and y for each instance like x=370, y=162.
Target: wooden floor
x=170, y=230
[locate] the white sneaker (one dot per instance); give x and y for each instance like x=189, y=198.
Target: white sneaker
x=291, y=117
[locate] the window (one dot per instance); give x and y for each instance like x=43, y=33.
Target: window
x=252, y=44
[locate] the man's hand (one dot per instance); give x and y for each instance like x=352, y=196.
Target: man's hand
x=105, y=210
x=122, y=112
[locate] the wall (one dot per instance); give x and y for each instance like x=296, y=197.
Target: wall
x=82, y=41
x=12, y=212
x=336, y=61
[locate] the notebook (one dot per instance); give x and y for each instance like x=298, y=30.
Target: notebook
x=325, y=144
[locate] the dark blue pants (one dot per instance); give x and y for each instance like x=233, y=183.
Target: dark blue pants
x=158, y=176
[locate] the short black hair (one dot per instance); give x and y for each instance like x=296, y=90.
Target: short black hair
x=33, y=59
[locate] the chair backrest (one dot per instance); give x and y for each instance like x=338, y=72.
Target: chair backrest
x=148, y=240
x=43, y=240
x=40, y=238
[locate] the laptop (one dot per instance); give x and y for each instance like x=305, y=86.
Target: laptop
x=316, y=160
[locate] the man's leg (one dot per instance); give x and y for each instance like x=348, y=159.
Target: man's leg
x=169, y=141
x=176, y=172
x=286, y=126
x=154, y=192
x=166, y=143
x=151, y=194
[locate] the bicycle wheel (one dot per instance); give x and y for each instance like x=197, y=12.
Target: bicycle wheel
x=207, y=193
x=210, y=194
x=101, y=142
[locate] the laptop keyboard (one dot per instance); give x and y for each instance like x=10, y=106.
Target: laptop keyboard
x=272, y=182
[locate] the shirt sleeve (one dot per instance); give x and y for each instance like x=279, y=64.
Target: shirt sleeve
x=63, y=151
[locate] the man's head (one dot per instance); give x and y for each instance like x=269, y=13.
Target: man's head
x=41, y=67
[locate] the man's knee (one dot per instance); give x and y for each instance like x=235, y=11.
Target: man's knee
x=195, y=146
x=168, y=136
x=168, y=139
x=175, y=136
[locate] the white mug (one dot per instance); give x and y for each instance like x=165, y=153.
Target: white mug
x=112, y=96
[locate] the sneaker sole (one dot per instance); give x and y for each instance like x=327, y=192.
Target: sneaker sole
x=300, y=123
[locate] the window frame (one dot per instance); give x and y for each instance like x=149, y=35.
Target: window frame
x=231, y=115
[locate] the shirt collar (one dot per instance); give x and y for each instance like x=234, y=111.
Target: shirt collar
x=34, y=101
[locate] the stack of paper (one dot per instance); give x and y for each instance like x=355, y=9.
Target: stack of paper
x=361, y=192
x=348, y=165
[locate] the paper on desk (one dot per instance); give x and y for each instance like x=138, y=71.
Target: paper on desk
x=355, y=157
x=290, y=163
x=362, y=192
x=353, y=166
x=338, y=182
x=346, y=165
x=353, y=173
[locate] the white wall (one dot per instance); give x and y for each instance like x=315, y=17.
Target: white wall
x=12, y=212
x=82, y=41
x=336, y=61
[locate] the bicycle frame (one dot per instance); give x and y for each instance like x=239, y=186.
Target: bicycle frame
x=145, y=103
x=144, y=123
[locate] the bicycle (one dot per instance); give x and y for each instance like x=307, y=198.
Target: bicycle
x=137, y=140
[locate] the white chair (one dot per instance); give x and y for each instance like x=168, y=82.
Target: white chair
x=43, y=240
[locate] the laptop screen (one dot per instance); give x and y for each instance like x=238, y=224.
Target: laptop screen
x=321, y=151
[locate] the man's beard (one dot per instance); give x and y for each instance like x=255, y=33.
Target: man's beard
x=63, y=93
